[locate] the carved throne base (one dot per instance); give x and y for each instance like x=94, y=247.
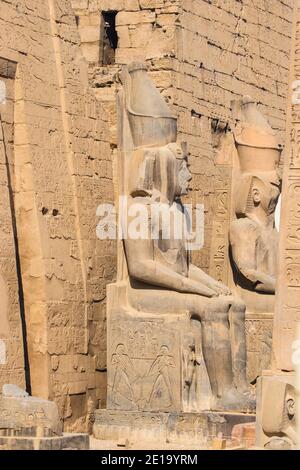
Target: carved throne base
x=145, y=376
x=259, y=328
x=198, y=429
x=144, y=358
x=275, y=419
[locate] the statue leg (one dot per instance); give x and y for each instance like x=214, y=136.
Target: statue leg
x=216, y=347
x=186, y=397
x=238, y=345
x=217, y=352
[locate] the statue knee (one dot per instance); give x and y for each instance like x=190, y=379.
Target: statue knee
x=219, y=305
x=238, y=313
x=238, y=306
x=216, y=316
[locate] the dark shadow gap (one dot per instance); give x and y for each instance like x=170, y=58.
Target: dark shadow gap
x=110, y=37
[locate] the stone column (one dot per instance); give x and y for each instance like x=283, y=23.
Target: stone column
x=276, y=391
x=287, y=310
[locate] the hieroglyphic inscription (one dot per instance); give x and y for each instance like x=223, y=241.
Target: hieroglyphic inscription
x=221, y=218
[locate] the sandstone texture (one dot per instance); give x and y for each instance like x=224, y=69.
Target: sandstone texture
x=60, y=71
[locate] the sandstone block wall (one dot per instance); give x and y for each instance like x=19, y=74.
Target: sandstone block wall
x=62, y=171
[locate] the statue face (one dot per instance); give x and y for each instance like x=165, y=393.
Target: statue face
x=184, y=177
x=266, y=193
x=182, y=173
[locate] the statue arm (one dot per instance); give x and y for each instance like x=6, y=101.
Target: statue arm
x=144, y=268
x=243, y=245
x=198, y=275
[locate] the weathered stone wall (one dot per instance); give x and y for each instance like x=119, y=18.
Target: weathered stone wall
x=62, y=171
x=11, y=338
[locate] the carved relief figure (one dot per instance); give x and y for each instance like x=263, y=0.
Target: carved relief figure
x=190, y=363
x=160, y=371
x=253, y=235
x=124, y=375
x=162, y=280
x=4, y=324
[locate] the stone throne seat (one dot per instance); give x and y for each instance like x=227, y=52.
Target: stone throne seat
x=139, y=406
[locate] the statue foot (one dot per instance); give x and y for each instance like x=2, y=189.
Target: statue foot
x=233, y=400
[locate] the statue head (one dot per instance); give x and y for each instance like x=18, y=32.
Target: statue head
x=278, y=419
x=161, y=173
x=260, y=189
x=151, y=121
x=158, y=163
x=259, y=152
x=182, y=174
x=257, y=144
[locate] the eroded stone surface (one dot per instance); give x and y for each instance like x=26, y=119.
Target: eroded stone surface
x=164, y=430
x=65, y=442
x=22, y=415
x=56, y=168
x=13, y=391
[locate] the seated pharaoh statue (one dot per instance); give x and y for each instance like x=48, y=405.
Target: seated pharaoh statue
x=160, y=292
x=253, y=235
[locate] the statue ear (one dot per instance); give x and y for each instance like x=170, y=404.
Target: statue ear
x=256, y=195
x=290, y=407
x=290, y=402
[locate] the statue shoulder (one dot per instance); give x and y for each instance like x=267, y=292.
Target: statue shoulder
x=241, y=227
